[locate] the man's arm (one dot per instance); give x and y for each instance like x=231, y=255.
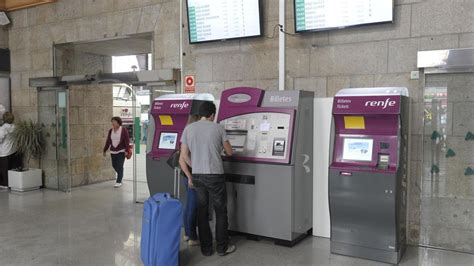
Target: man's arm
x=227, y=148
x=3, y=134
x=225, y=142
x=184, y=159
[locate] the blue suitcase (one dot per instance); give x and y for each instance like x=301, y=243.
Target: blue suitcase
x=161, y=230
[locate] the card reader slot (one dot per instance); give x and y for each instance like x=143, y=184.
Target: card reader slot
x=236, y=132
x=240, y=179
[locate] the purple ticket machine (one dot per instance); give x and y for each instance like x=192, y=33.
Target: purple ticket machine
x=368, y=173
x=269, y=176
x=169, y=116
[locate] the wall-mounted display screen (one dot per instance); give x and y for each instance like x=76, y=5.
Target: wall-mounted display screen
x=317, y=15
x=212, y=20
x=357, y=149
x=168, y=141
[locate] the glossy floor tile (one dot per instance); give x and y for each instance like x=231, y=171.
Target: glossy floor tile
x=99, y=225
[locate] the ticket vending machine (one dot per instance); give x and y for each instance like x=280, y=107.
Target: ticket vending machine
x=368, y=173
x=170, y=114
x=269, y=176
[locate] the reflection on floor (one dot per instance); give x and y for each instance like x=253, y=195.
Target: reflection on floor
x=141, y=167
x=99, y=225
x=142, y=185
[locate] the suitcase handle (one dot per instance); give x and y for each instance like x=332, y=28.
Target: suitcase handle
x=161, y=196
x=176, y=182
x=178, y=174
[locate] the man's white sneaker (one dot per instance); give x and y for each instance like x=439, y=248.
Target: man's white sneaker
x=194, y=242
x=230, y=249
x=117, y=185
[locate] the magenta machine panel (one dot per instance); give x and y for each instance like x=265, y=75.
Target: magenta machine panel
x=368, y=173
x=170, y=114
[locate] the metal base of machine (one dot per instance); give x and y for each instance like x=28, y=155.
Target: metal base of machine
x=392, y=257
x=278, y=242
x=286, y=243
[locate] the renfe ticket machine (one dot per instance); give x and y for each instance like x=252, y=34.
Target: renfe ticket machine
x=368, y=173
x=269, y=176
x=170, y=114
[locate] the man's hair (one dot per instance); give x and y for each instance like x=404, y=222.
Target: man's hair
x=117, y=119
x=207, y=109
x=192, y=119
x=8, y=118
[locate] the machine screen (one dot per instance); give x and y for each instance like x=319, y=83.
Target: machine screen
x=168, y=141
x=357, y=149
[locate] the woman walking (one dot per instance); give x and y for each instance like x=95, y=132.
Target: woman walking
x=117, y=141
x=7, y=149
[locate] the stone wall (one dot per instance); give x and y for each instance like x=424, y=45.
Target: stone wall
x=34, y=31
x=3, y=37
x=70, y=62
x=324, y=62
x=89, y=113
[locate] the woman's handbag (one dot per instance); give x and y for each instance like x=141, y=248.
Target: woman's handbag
x=129, y=152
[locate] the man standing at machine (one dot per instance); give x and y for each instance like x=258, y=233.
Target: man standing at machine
x=205, y=140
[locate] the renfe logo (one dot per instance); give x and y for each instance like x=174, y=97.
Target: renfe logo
x=179, y=106
x=383, y=104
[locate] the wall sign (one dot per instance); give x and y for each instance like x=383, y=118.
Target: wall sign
x=189, y=84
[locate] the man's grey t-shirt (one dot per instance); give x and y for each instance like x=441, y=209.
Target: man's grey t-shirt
x=205, y=142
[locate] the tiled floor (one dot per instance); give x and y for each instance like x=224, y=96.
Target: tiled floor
x=99, y=225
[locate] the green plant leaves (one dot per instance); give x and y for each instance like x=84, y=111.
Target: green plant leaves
x=434, y=169
x=435, y=135
x=469, y=136
x=29, y=140
x=468, y=171
x=450, y=153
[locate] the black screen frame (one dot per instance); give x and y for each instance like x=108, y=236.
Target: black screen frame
x=260, y=12
x=344, y=27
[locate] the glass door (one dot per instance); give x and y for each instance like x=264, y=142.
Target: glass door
x=53, y=116
x=63, y=155
x=447, y=200
x=141, y=106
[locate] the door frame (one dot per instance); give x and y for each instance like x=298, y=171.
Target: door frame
x=57, y=90
x=436, y=62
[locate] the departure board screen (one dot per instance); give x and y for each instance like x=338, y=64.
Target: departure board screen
x=317, y=15
x=212, y=20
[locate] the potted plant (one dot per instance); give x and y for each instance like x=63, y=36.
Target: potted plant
x=29, y=142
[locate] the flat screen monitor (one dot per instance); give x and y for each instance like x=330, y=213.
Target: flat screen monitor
x=214, y=20
x=357, y=149
x=168, y=140
x=318, y=15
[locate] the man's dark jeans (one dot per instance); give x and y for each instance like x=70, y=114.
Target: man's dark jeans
x=211, y=188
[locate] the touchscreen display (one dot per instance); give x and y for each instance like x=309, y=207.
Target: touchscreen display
x=357, y=149
x=168, y=140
